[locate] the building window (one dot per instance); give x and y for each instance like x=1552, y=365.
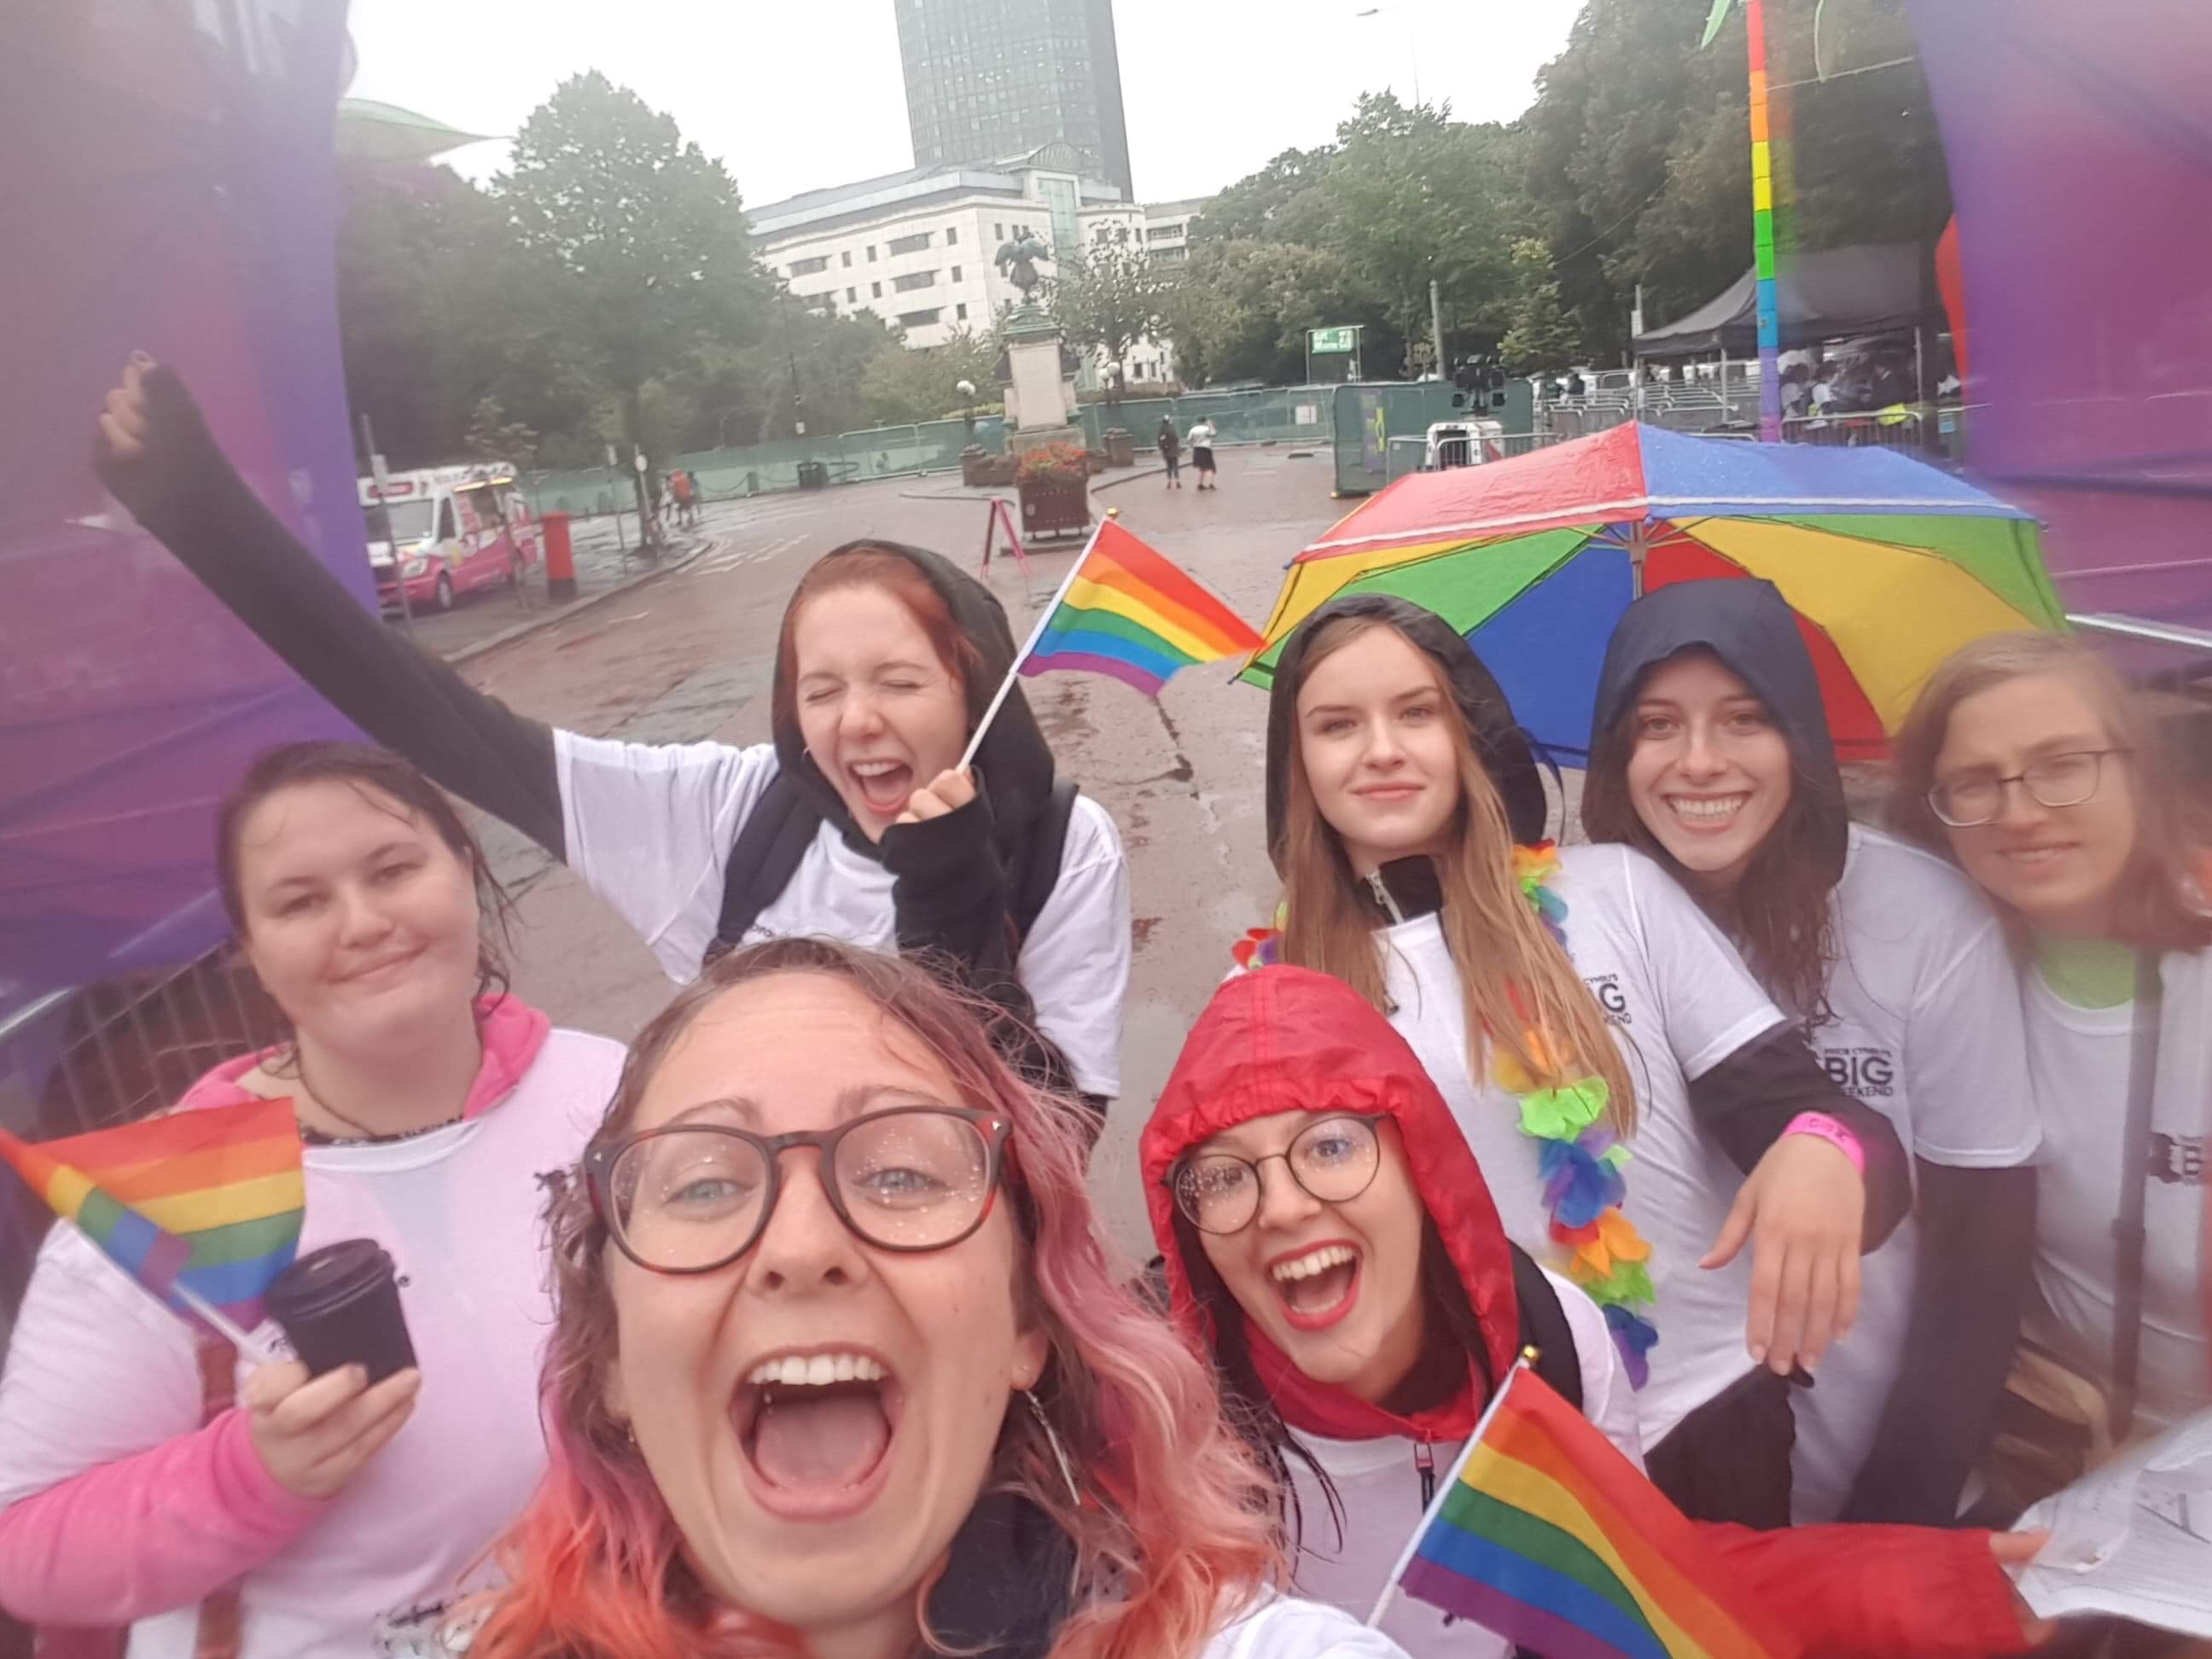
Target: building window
x=849, y=258
x=871, y=253
x=920, y=319
x=952, y=235
x=960, y=313
x=852, y=296
x=955, y=273
x=998, y=233
x=876, y=290
x=809, y=267
x=912, y=244
x=913, y=280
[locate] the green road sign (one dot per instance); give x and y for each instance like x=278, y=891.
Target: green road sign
x=1323, y=341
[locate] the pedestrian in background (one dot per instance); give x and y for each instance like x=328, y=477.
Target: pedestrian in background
x=1201, y=452
x=1171, y=452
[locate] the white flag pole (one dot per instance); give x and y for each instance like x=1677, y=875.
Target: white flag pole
x=1037, y=633
x=221, y=1322
x=1444, y=1490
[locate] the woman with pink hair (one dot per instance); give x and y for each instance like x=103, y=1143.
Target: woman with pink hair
x=840, y=1366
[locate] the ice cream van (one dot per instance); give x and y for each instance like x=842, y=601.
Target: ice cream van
x=447, y=531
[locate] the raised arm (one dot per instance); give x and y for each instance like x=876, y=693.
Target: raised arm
x=155, y=453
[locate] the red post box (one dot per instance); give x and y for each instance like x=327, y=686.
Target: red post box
x=560, y=558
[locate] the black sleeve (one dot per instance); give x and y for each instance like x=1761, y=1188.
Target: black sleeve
x=1976, y=1243
x=186, y=492
x=949, y=897
x=1746, y=1100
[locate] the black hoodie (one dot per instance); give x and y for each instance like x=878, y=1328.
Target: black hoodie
x=1977, y=1226
x=1749, y=626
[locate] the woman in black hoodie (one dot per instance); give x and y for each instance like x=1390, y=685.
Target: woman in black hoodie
x=1639, y=1108
x=1711, y=752
x=854, y=823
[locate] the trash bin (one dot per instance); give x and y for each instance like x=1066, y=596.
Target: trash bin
x=1120, y=450
x=813, y=474
x=560, y=558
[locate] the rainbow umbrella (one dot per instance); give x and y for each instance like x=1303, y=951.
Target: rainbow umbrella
x=1889, y=563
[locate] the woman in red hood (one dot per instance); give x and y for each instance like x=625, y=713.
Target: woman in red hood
x=1361, y=1301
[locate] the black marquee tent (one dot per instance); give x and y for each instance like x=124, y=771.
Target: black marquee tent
x=1868, y=288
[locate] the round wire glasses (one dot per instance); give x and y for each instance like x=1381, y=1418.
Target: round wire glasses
x=1333, y=1160
x=2055, y=781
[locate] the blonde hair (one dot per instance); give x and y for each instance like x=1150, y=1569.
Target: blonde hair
x=1515, y=978
x=2155, y=905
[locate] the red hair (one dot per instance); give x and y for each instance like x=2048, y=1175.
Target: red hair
x=867, y=564
x=1176, y=1533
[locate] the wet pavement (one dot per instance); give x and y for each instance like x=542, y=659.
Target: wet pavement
x=686, y=655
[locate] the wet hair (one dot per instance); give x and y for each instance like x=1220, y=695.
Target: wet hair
x=1176, y=1524
x=2157, y=905
x=1779, y=914
x=1512, y=973
x=866, y=564
x=391, y=785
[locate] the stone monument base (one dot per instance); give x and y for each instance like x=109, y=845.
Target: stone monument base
x=1021, y=442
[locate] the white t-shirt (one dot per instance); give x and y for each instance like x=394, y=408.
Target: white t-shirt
x=1201, y=435
x=1680, y=1001
x=650, y=827
x=1378, y=1486
x=2079, y=1058
x=99, y=1370
x=1927, y=1032
x=1284, y=1627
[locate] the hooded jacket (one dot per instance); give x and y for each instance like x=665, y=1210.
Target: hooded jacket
x=1751, y=628
x=1288, y=1039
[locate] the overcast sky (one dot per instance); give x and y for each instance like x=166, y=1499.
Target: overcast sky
x=795, y=94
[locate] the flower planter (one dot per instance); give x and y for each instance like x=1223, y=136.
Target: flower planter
x=1053, y=506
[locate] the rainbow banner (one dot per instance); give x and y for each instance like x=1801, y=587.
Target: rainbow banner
x=1548, y=1535
x=1125, y=611
x=208, y=1203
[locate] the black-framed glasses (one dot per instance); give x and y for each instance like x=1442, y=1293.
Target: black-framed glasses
x=2055, y=781
x=689, y=1198
x=1333, y=1160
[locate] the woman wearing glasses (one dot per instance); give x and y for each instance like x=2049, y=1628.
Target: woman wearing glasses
x=1709, y=751
x=1330, y=1242
x=840, y=1366
x=2028, y=763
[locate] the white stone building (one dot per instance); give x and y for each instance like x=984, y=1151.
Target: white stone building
x=918, y=248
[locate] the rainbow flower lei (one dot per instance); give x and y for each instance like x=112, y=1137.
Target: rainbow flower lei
x=1580, y=1161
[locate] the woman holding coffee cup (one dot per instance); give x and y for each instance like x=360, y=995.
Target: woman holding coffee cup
x=337, y=1513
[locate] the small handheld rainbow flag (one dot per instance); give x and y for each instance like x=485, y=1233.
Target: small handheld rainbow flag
x=1546, y=1535
x=1127, y=611
x=201, y=1207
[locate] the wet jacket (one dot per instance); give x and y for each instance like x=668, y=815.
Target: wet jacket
x=1286, y=1039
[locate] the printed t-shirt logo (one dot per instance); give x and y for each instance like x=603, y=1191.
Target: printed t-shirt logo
x=1605, y=987
x=1864, y=1072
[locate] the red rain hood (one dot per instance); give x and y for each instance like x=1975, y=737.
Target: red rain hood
x=1289, y=1039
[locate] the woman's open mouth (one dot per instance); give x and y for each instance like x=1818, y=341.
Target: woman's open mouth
x=816, y=1430
x=1704, y=814
x=884, y=785
x=1318, y=1286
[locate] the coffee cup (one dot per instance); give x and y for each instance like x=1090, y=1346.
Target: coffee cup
x=340, y=1306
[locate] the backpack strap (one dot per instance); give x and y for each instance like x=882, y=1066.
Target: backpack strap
x=766, y=854
x=1544, y=1327
x=1031, y=886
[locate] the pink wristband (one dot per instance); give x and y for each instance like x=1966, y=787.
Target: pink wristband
x=1835, y=1133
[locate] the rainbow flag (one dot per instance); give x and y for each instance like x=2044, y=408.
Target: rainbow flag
x=211, y=1200
x=1125, y=611
x=1548, y=1535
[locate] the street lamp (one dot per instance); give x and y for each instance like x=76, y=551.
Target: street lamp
x=1378, y=11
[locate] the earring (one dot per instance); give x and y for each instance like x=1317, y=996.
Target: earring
x=1059, y=1451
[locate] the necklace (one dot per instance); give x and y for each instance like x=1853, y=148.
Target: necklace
x=361, y=1131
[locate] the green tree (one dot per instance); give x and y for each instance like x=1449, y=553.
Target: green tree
x=922, y=384
x=1540, y=335
x=1109, y=296
x=646, y=233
